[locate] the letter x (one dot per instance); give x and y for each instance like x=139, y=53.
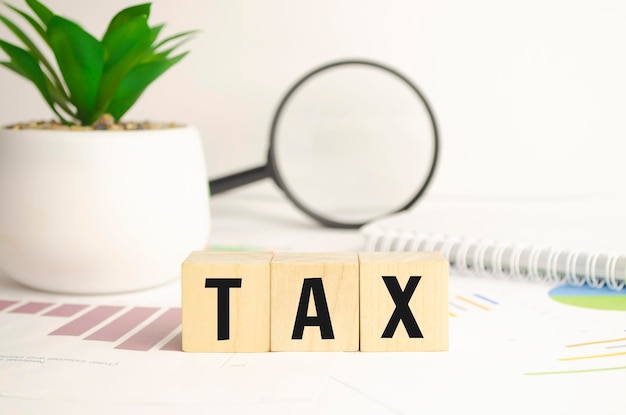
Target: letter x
x=402, y=312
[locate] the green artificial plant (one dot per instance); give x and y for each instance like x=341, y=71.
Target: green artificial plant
x=92, y=76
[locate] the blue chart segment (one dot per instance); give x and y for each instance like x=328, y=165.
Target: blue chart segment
x=588, y=297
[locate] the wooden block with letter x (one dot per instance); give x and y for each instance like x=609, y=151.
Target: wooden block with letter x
x=404, y=301
x=315, y=302
x=226, y=302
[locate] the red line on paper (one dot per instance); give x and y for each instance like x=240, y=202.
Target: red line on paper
x=31, y=308
x=154, y=332
x=123, y=324
x=66, y=310
x=87, y=321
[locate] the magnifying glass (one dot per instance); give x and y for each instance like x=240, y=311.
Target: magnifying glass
x=351, y=141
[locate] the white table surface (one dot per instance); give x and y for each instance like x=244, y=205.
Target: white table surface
x=488, y=370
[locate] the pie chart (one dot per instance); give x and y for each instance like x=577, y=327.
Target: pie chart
x=587, y=297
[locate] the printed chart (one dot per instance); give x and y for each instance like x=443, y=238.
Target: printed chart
x=127, y=328
x=511, y=332
x=588, y=297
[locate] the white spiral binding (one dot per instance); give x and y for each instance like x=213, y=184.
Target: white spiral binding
x=552, y=271
x=447, y=245
x=479, y=257
x=461, y=255
x=611, y=277
x=571, y=276
x=496, y=259
x=533, y=264
x=590, y=271
x=488, y=257
x=514, y=262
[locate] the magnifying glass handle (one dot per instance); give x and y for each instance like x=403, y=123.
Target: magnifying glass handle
x=223, y=184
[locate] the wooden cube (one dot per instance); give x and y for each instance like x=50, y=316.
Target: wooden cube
x=404, y=301
x=226, y=302
x=315, y=302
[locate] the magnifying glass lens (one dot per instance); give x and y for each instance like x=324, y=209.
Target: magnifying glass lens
x=354, y=142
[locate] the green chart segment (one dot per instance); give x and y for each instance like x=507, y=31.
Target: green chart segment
x=587, y=297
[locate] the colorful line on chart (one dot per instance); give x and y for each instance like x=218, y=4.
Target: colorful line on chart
x=593, y=356
x=471, y=302
x=597, y=355
x=589, y=356
x=620, y=339
x=145, y=328
x=567, y=372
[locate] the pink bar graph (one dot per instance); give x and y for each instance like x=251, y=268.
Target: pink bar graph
x=4, y=304
x=123, y=324
x=31, y=308
x=65, y=310
x=87, y=321
x=174, y=345
x=154, y=332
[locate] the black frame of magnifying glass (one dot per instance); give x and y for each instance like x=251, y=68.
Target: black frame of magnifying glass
x=270, y=170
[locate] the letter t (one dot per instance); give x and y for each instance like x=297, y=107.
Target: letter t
x=223, y=286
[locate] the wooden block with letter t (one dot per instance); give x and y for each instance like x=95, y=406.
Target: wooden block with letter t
x=226, y=302
x=315, y=302
x=404, y=301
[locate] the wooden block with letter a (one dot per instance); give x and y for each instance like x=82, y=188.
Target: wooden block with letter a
x=315, y=302
x=404, y=301
x=226, y=302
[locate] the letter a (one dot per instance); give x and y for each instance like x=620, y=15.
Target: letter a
x=402, y=312
x=315, y=286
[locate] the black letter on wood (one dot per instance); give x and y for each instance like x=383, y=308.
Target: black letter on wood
x=402, y=312
x=315, y=286
x=223, y=286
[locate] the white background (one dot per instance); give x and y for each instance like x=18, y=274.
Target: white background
x=529, y=95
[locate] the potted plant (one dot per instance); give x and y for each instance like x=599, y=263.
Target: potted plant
x=89, y=203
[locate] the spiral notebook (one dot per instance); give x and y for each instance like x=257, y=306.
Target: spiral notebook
x=572, y=241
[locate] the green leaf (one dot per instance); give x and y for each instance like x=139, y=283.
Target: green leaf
x=60, y=98
x=20, y=35
x=26, y=65
x=32, y=47
x=156, y=30
x=80, y=57
x=23, y=63
x=58, y=84
x=39, y=28
x=127, y=14
x=158, y=56
x=136, y=82
x=15, y=68
x=187, y=34
x=124, y=46
x=162, y=54
x=41, y=11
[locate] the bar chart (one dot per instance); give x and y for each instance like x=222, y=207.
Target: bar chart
x=125, y=328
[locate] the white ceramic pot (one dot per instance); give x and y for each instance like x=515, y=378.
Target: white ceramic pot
x=101, y=211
